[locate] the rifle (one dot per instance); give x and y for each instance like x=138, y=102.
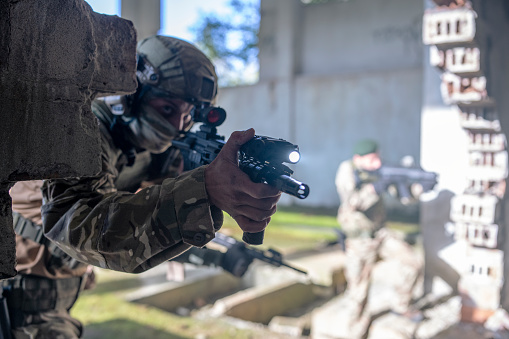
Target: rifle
x=261, y=158
x=402, y=178
x=269, y=256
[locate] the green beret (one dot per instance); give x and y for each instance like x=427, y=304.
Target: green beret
x=364, y=147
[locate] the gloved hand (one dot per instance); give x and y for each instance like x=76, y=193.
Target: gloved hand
x=236, y=260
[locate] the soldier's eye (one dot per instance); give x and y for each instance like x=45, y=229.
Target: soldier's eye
x=166, y=110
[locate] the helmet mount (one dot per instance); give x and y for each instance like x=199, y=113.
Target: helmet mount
x=145, y=72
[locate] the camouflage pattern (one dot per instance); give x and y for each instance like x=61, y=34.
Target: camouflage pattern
x=362, y=215
x=181, y=69
x=91, y=220
x=39, y=307
x=31, y=257
x=361, y=212
x=50, y=324
x=362, y=254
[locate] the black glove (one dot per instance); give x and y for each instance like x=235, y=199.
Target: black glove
x=236, y=260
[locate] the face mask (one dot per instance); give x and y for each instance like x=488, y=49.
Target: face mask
x=151, y=131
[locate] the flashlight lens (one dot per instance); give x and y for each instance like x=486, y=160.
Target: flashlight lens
x=294, y=157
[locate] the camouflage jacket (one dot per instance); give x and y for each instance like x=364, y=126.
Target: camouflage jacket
x=94, y=221
x=31, y=257
x=362, y=211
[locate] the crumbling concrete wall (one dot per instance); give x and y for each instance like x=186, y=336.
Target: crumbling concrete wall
x=468, y=44
x=56, y=56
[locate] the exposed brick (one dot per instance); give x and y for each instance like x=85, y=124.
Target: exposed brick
x=456, y=60
x=484, y=266
x=481, y=118
x=475, y=209
x=481, y=283
x=456, y=89
x=448, y=26
x=486, y=142
x=476, y=234
x=487, y=163
x=485, y=182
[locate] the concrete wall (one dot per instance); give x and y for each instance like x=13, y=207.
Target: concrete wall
x=447, y=150
x=331, y=74
x=360, y=36
x=56, y=57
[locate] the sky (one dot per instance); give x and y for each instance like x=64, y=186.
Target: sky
x=177, y=15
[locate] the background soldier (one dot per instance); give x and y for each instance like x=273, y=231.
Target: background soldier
x=97, y=221
x=361, y=216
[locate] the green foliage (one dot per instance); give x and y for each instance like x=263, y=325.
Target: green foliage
x=230, y=40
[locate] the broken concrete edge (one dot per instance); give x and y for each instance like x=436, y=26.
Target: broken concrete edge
x=49, y=77
x=257, y=304
x=171, y=295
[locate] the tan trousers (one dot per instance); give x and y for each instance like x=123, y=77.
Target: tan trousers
x=362, y=254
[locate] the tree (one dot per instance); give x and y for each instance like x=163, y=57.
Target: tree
x=230, y=40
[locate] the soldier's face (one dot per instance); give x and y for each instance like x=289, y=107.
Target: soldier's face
x=368, y=162
x=176, y=111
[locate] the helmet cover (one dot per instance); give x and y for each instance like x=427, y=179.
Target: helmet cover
x=178, y=68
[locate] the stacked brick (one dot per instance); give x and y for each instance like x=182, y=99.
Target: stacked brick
x=460, y=52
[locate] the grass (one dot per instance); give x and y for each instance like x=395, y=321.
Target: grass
x=291, y=231
x=106, y=315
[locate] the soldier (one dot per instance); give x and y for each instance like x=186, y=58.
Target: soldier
x=94, y=221
x=362, y=216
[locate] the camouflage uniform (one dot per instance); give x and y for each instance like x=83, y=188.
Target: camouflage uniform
x=40, y=296
x=91, y=220
x=97, y=220
x=361, y=216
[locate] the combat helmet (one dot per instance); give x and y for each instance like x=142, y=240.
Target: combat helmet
x=167, y=67
x=177, y=68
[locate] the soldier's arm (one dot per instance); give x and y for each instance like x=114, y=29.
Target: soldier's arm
x=93, y=222
x=129, y=232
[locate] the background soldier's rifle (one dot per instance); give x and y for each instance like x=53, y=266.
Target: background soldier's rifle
x=269, y=256
x=261, y=158
x=402, y=179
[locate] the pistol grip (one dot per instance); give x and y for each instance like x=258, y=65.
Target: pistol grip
x=253, y=238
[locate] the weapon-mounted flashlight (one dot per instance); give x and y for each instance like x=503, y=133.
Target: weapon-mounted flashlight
x=294, y=157
x=272, y=150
